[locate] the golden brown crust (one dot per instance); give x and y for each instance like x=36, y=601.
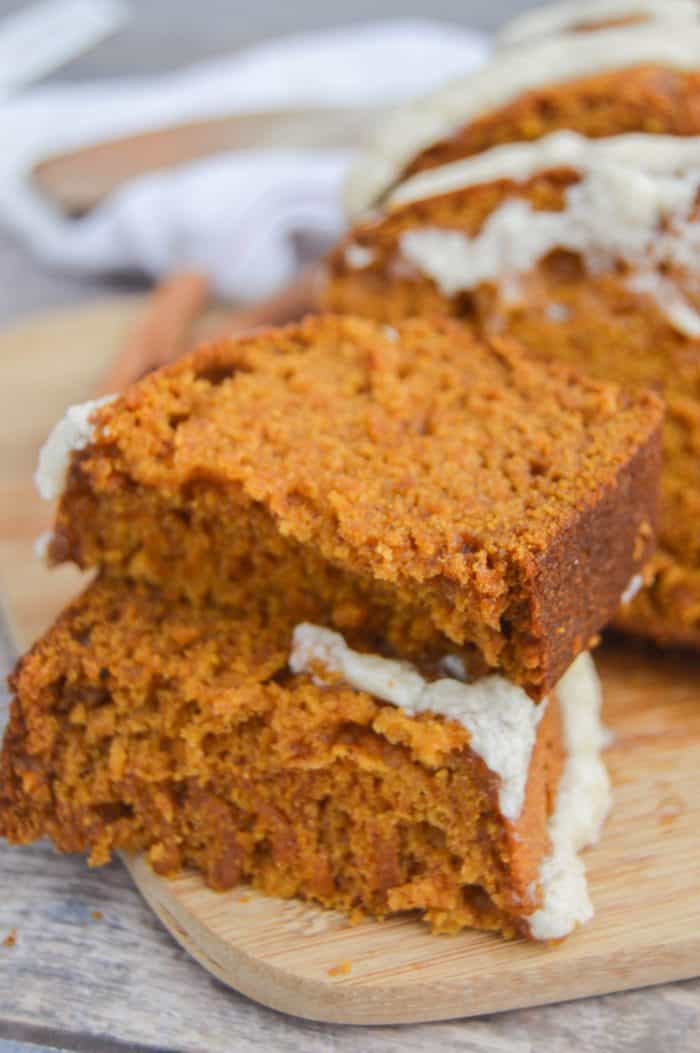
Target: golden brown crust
x=431, y=485
x=154, y=726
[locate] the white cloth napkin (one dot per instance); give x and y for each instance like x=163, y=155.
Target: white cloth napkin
x=241, y=217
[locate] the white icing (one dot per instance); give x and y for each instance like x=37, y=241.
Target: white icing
x=509, y=74
x=500, y=717
x=73, y=432
x=517, y=162
x=358, y=256
x=636, y=583
x=609, y=738
x=41, y=546
x=631, y=204
x=583, y=802
x=573, y=15
x=669, y=299
x=453, y=665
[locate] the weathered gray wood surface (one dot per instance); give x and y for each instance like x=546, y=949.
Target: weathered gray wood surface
x=119, y=983
x=123, y=977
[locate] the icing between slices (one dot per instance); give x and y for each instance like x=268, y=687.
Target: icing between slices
x=502, y=723
x=554, y=60
x=500, y=717
x=572, y=15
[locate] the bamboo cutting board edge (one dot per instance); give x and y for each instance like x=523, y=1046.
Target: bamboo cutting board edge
x=645, y=878
x=443, y=994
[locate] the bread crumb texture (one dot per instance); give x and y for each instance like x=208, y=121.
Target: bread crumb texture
x=149, y=725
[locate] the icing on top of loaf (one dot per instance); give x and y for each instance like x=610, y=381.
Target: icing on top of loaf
x=554, y=60
x=633, y=203
x=572, y=15
x=660, y=155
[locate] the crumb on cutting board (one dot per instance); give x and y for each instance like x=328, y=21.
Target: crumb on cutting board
x=340, y=970
x=11, y=938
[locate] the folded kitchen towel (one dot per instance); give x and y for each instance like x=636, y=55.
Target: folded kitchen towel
x=245, y=218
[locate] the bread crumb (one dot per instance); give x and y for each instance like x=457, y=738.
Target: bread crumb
x=244, y=899
x=670, y=808
x=340, y=970
x=11, y=938
x=97, y=915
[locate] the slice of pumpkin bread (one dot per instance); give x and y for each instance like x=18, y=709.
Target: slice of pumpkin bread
x=223, y=739
x=416, y=483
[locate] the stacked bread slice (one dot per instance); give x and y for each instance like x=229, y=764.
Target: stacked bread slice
x=346, y=579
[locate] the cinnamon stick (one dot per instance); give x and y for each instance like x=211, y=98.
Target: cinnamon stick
x=162, y=332
x=165, y=330
x=289, y=305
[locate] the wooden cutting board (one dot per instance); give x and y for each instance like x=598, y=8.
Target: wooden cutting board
x=644, y=875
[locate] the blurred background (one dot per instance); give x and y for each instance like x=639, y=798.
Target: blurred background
x=153, y=39
x=164, y=34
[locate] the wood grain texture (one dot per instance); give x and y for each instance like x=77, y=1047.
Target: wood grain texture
x=644, y=875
